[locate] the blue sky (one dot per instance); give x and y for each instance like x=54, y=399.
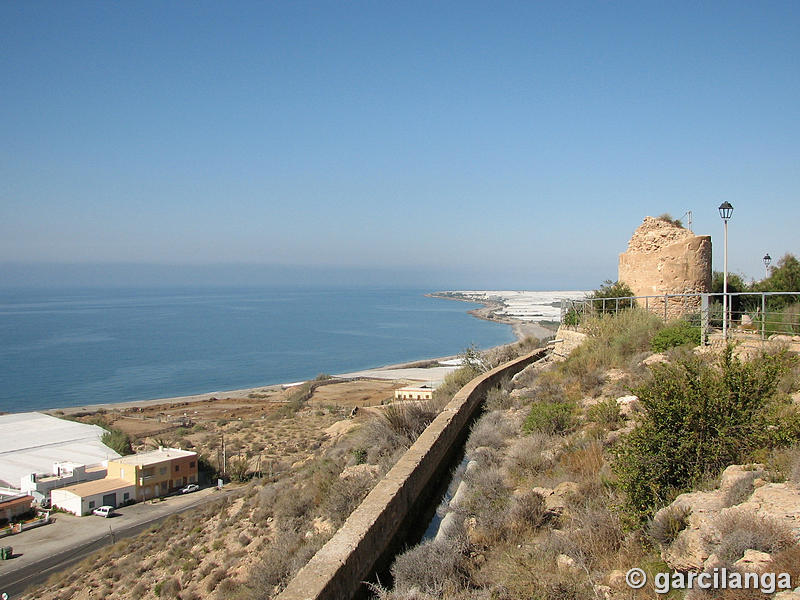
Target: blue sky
x=458, y=144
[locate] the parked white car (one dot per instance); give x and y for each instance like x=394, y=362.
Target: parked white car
x=192, y=487
x=103, y=511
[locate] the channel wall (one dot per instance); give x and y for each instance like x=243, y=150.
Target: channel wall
x=353, y=555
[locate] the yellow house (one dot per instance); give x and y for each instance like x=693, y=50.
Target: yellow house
x=423, y=392
x=157, y=472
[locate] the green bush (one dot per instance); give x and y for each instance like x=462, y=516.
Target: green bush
x=117, y=441
x=549, y=417
x=611, y=290
x=700, y=418
x=675, y=334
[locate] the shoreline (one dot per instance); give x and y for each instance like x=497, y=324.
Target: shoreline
x=236, y=394
x=520, y=330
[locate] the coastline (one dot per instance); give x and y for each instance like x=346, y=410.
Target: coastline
x=234, y=394
x=520, y=329
x=488, y=312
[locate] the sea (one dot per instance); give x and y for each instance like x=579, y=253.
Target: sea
x=63, y=348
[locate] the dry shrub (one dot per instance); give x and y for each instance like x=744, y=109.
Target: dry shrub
x=498, y=399
x=786, y=462
x=216, y=576
x=294, y=503
x=430, y=568
x=487, y=499
x=281, y=559
x=742, y=530
x=527, y=455
x=740, y=491
x=169, y=588
x=521, y=572
x=409, y=419
x=668, y=523
x=207, y=568
x=383, y=445
x=594, y=535
x=346, y=494
x=502, y=354
x=227, y=587
x=527, y=511
x=490, y=431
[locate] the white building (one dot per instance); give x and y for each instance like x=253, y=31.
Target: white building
x=32, y=442
x=63, y=474
x=422, y=392
x=83, y=498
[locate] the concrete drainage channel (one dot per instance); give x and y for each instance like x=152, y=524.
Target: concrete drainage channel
x=397, y=511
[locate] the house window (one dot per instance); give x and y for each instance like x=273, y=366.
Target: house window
x=91, y=504
x=191, y=465
x=177, y=468
x=126, y=496
x=162, y=471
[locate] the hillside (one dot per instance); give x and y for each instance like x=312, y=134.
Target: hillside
x=574, y=466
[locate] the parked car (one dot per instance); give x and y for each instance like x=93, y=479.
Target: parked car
x=103, y=511
x=192, y=487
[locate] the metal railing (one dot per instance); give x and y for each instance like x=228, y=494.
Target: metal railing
x=756, y=313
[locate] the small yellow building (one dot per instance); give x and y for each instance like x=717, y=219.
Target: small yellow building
x=155, y=473
x=423, y=392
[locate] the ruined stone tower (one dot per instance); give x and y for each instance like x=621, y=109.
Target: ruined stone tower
x=664, y=258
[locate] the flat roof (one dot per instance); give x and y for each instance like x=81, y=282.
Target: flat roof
x=99, y=486
x=154, y=456
x=31, y=442
x=13, y=501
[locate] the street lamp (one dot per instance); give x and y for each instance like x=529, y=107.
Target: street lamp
x=725, y=211
x=767, y=259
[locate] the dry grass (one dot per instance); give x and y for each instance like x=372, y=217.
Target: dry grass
x=742, y=530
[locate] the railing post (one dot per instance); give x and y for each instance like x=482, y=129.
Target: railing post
x=665, y=307
x=704, y=317
x=763, y=316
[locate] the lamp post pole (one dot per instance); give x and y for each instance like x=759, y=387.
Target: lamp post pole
x=725, y=211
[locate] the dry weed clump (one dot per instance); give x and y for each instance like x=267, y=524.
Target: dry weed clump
x=498, y=399
x=527, y=512
x=503, y=354
x=594, y=534
x=346, y=494
x=532, y=454
x=487, y=500
x=742, y=530
x=430, y=568
x=668, y=523
x=490, y=431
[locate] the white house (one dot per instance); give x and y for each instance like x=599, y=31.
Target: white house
x=83, y=498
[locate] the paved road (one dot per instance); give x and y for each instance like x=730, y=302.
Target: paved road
x=40, y=552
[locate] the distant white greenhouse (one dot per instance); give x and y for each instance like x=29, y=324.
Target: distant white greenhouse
x=32, y=442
